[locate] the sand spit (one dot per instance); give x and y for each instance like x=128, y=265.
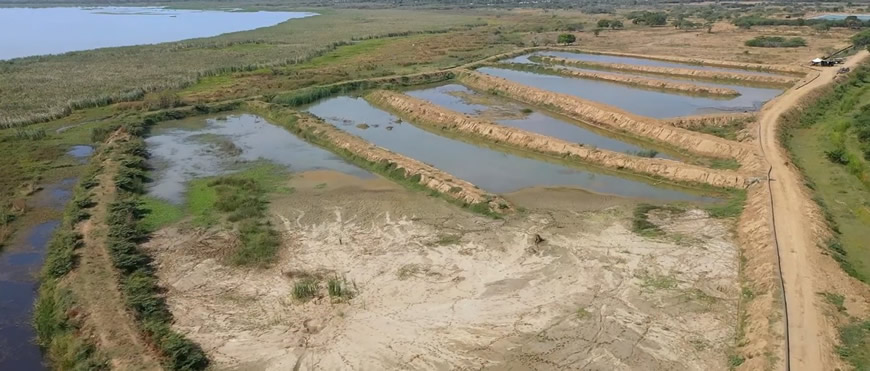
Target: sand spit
x=678, y=72
x=426, y=175
x=424, y=112
x=610, y=118
x=637, y=81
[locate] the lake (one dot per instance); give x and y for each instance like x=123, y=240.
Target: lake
x=40, y=31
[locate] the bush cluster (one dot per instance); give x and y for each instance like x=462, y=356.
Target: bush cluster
x=776, y=42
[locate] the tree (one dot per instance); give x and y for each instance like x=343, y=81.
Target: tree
x=861, y=39
x=566, y=38
x=852, y=22
x=603, y=23
x=616, y=24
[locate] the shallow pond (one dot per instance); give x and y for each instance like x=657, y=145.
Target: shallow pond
x=640, y=101
x=41, y=31
x=201, y=147
x=840, y=17
x=20, y=263
x=462, y=99
x=492, y=170
x=601, y=58
x=81, y=153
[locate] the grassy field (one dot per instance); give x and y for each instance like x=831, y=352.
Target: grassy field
x=842, y=188
x=42, y=86
x=824, y=144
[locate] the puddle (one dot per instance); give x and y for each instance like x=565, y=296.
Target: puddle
x=640, y=101
x=54, y=196
x=82, y=153
x=492, y=170
x=195, y=148
x=508, y=113
x=599, y=58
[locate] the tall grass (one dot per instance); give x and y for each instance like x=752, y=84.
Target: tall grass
x=58, y=327
x=30, y=94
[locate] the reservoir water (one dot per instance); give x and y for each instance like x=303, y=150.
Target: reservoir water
x=644, y=102
x=603, y=58
x=39, y=31
x=491, y=170
x=499, y=110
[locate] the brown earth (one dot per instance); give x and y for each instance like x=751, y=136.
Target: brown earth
x=94, y=282
x=439, y=288
x=640, y=81
x=429, y=176
x=718, y=119
x=799, y=227
x=420, y=111
x=679, y=72
x=611, y=118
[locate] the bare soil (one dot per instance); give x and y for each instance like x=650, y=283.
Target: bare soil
x=94, y=283
x=440, y=288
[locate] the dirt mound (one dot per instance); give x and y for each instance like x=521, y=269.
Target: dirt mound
x=680, y=72
x=761, y=323
x=714, y=120
x=610, y=118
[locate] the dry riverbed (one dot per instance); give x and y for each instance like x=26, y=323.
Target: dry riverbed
x=436, y=287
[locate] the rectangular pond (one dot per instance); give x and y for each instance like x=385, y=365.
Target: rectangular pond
x=603, y=58
x=643, y=102
x=492, y=170
x=201, y=147
x=514, y=114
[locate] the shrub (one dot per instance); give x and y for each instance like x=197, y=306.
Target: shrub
x=566, y=39
x=776, y=42
x=305, y=289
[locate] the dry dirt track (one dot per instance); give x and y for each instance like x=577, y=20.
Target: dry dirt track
x=809, y=347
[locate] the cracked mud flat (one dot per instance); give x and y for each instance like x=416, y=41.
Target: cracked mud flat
x=440, y=288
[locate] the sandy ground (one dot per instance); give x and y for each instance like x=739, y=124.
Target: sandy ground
x=440, y=288
x=805, y=270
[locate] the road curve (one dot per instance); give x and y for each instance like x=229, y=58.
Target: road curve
x=808, y=346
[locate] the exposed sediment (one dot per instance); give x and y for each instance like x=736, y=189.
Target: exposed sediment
x=322, y=133
x=677, y=72
x=714, y=120
x=610, y=118
x=426, y=113
x=761, y=322
x=772, y=68
x=640, y=81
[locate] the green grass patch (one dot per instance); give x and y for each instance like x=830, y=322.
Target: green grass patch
x=305, y=289
x=640, y=223
x=159, y=213
x=344, y=53
x=824, y=141
x=731, y=208
x=835, y=299
x=854, y=345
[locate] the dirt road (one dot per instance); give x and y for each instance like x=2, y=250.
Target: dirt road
x=809, y=347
